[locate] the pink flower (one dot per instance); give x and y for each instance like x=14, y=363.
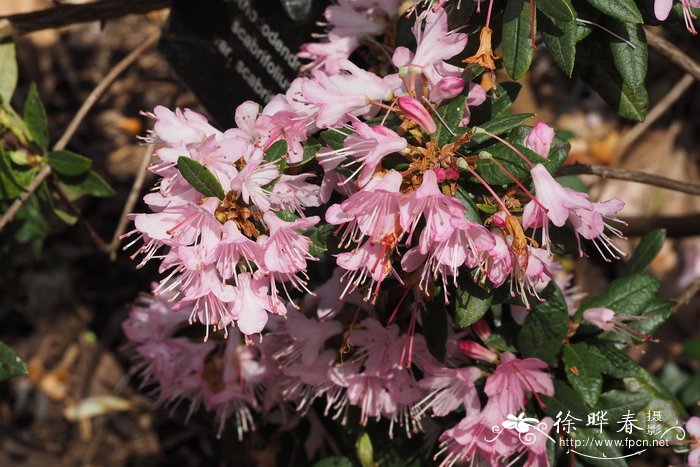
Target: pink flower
x=513, y=379
x=252, y=303
x=609, y=321
x=346, y=21
x=250, y=182
x=414, y=110
x=477, y=351
x=692, y=426
x=499, y=261
x=450, y=389
x=368, y=145
x=475, y=97
x=287, y=250
x=182, y=127
x=370, y=260
x=293, y=193
x=540, y=138
x=663, y=7
x=152, y=318
x=448, y=87
x=233, y=248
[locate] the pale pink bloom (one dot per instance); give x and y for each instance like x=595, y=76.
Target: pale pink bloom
x=663, y=7
x=601, y=317
x=250, y=182
x=182, y=127
x=368, y=145
x=251, y=128
x=377, y=346
x=371, y=212
x=435, y=43
x=499, y=261
x=345, y=20
x=692, y=426
x=252, y=303
x=477, y=351
x=233, y=248
x=514, y=378
x=203, y=289
x=475, y=97
x=151, y=318
x=607, y=320
x=332, y=179
x=328, y=55
x=448, y=87
x=287, y=250
x=370, y=260
x=438, y=210
x=414, y=110
x=558, y=201
x=449, y=389
x=540, y=138
x=352, y=90
x=327, y=297
x=184, y=223
x=537, y=451
x=219, y=155
x=308, y=338
x=293, y=193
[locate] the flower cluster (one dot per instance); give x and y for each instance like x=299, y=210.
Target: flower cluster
x=382, y=161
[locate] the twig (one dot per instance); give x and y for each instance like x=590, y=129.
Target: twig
x=656, y=112
x=64, y=15
x=687, y=295
x=102, y=87
x=75, y=123
x=630, y=176
x=74, y=210
x=673, y=53
x=676, y=226
x=130, y=201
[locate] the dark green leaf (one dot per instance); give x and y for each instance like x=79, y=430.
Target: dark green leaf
x=470, y=302
x=545, y=327
x=278, y=150
x=286, y=215
x=89, y=184
x=333, y=138
x=565, y=400
x=33, y=227
x=319, y=239
x=434, y=319
x=310, y=151
x=11, y=365
x=660, y=400
x=14, y=179
x=630, y=60
x=200, y=177
x=35, y=118
x=69, y=163
x=499, y=342
x=597, y=452
x=691, y=348
x=560, y=40
x=497, y=126
x=582, y=372
x=451, y=113
x=516, y=39
x=506, y=157
x=560, y=10
x=689, y=394
x=594, y=64
x=646, y=251
x=611, y=361
x=470, y=209
x=628, y=295
x=617, y=403
x=500, y=99
x=8, y=76
x=558, y=151
x=624, y=10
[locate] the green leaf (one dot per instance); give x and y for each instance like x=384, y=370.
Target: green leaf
x=560, y=40
x=624, y=10
x=582, y=372
x=364, y=451
x=33, y=228
x=89, y=183
x=277, y=150
x=200, y=177
x=560, y=10
x=319, y=239
x=600, y=451
x=333, y=138
x=8, y=76
x=471, y=211
x=617, y=403
x=470, y=302
x=630, y=60
x=646, y=251
x=11, y=365
x=69, y=163
x=628, y=295
x=14, y=179
x=497, y=126
x=545, y=327
x=500, y=99
x=611, y=361
x=506, y=157
x=660, y=400
x=516, y=39
x=35, y=118
x=558, y=151
x=335, y=461
x=310, y=151
x=451, y=113
x=691, y=348
x=564, y=400
x=595, y=65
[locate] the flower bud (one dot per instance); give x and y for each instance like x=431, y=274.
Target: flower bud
x=540, y=139
x=600, y=317
x=448, y=87
x=416, y=112
x=477, y=351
